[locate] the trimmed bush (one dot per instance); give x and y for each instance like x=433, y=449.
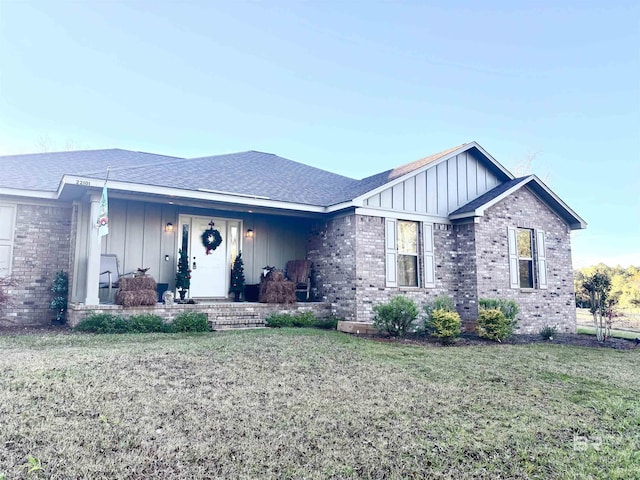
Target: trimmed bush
x=395, y=317
x=509, y=308
x=441, y=302
x=103, y=323
x=147, y=323
x=492, y=324
x=444, y=325
x=190, y=322
x=279, y=320
x=300, y=320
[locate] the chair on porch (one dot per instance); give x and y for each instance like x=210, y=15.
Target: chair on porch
x=299, y=272
x=109, y=274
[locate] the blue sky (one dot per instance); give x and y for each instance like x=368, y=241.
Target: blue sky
x=351, y=87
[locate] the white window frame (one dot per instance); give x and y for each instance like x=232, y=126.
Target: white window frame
x=538, y=259
x=7, y=241
x=425, y=258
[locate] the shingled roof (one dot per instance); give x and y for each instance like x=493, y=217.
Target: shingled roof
x=251, y=173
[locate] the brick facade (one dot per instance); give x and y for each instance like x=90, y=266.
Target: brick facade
x=538, y=308
x=471, y=262
x=40, y=249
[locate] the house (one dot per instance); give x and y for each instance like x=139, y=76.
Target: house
x=455, y=223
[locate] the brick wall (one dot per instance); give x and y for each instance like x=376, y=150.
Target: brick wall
x=371, y=286
x=538, y=308
x=332, y=249
x=41, y=248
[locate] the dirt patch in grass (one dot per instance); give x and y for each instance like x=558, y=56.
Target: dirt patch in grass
x=469, y=340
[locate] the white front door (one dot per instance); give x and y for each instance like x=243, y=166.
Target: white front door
x=210, y=274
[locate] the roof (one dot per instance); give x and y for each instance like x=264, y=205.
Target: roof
x=260, y=175
x=477, y=207
x=43, y=171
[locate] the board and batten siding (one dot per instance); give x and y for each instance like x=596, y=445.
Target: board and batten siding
x=438, y=190
x=138, y=239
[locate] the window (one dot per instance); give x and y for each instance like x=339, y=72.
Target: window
x=527, y=258
x=405, y=253
x=7, y=221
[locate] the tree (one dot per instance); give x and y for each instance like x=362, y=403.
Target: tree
x=598, y=285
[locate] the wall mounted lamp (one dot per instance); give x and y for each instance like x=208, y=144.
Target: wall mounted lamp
x=249, y=233
x=168, y=227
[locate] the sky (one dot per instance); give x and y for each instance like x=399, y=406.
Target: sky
x=354, y=87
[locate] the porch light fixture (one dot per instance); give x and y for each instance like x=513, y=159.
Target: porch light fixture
x=249, y=233
x=168, y=227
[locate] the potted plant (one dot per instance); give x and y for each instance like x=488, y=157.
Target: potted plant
x=237, y=278
x=183, y=276
x=60, y=289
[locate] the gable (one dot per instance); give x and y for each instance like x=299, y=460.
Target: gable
x=440, y=189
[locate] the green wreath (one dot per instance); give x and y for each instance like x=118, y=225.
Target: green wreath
x=211, y=239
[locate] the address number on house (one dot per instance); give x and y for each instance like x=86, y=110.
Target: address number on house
x=84, y=183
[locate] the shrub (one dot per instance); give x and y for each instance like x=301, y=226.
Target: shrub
x=395, y=317
x=549, y=332
x=103, y=323
x=304, y=320
x=279, y=320
x=493, y=324
x=444, y=325
x=147, y=323
x=441, y=302
x=326, y=323
x=190, y=322
x=509, y=308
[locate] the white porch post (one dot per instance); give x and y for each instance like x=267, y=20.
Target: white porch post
x=93, y=254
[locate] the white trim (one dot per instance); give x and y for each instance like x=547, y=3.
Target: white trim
x=414, y=217
x=479, y=212
x=429, y=259
x=391, y=252
x=188, y=194
x=16, y=192
x=10, y=242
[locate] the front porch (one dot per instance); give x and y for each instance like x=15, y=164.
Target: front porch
x=220, y=315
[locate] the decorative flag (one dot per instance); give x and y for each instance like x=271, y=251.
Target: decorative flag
x=103, y=213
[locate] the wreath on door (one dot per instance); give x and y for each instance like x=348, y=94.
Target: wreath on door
x=211, y=238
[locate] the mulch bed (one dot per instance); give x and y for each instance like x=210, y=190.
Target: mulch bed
x=469, y=339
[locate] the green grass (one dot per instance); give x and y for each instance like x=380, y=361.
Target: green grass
x=313, y=404
x=614, y=333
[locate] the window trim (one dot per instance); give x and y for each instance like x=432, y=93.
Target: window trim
x=538, y=259
x=425, y=257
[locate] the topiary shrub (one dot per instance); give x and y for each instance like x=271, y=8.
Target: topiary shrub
x=103, y=323
x=190, y=322
x=444, y=325
x=147, y=323
x=492, y=324
x=395, y=317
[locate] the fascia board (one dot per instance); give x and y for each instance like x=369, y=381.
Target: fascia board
x=415, y=217
x=188, y=194
x=17, y=192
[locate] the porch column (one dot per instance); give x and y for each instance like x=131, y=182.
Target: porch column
x=93, y=254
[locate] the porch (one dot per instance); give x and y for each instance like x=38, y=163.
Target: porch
x=220, y=315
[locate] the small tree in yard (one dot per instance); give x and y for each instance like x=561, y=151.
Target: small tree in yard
x=598, y=286
x=395, y=317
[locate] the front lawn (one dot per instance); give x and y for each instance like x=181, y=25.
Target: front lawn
x=313, y=404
